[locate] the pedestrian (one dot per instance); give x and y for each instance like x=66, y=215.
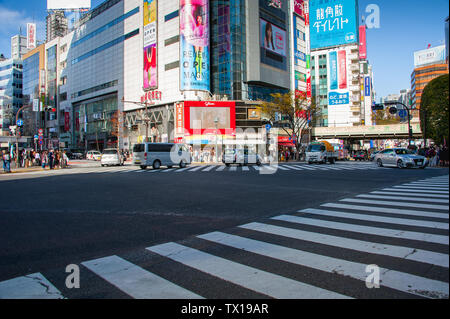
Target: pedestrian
x=65, y=159
x=6, y=162
x=51, y=159
x=37, y=158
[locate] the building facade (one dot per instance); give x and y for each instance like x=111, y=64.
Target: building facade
x=18, y=46
x=10, y=93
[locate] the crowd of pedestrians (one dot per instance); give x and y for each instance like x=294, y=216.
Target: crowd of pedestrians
x=437, y=156
x=30, y=158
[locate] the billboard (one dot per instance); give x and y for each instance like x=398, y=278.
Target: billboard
x=194, y=45
x=367, y=86
x=333, y=23
x=337, y=75
x=428, y=56
x=298, y=8
x=299, y=42
x=200, y=117
x=68, y=4
x=273, y=38
x=31, y=35
x=362, y=42
x=150, y=55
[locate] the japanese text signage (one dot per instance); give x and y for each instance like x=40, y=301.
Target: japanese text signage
x=333, y=22
x=298, y=8
x=150, y=45
x=336, y=98
x=179, y=119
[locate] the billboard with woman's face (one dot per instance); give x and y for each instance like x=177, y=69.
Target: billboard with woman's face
x=273, y=38
x=150, y=45
x=194, y=45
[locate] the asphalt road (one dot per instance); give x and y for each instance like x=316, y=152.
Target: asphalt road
x=48, y=222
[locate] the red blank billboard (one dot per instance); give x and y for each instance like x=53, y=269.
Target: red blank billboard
x=362, y=42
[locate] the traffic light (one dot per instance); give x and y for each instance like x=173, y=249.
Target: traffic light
x=50, y=109
x=393, y=110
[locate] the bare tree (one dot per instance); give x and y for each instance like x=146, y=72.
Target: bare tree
x=297, y=114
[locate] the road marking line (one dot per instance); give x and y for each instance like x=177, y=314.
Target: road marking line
x=400, y=198
x=390, y=278
x=221, y=168
x=136, y=281
x=167, y=170
x=248, y=277
x=34, y=286
x=195, y=168
x=387, y=210
x=419, y=255
x=390, y=220
x=182, y=169
x=233, y=169
x=245, y=168
x=414, y=191
x=290, y=167
x=208, y=168
x=402, y=204
x=409, y=194
x=379, y=231
x=420, y=187
x=305, y=167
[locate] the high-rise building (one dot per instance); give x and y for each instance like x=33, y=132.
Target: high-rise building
x=335, y=62
x=446, y=41
x=428, y=65
x=18, y=46
x=10, y=92
x=56, y=25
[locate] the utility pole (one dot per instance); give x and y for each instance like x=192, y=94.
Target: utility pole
x=145, y=119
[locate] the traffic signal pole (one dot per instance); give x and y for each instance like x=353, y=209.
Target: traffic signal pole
x=17, y=133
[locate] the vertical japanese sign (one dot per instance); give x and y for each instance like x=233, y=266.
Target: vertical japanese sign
x=332, y=56
x=194, y=45
x=362, y=42
x=367, y=86
x=150, y=45
x=308, y=78
x=333, y=22
x=342, y=56
x=66, y=121
x=179, y=121
x=31, y=35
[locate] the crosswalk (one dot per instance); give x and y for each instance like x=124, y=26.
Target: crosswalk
x=204, y=169
x=320, y=252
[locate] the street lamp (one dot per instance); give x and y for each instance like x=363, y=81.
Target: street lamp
x=146, y=119
x=216, y=122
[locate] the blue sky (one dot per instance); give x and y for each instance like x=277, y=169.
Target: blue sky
x=406, y=26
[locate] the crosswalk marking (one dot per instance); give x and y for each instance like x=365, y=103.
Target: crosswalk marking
x=386, y=210
x=233, y=169
x=182, y=170
x=409, y=194
x=195, y=169
x=245, y=168
x=208, y=168
x=418, y=187
x=390, y=220
x=419, y=255
x=34, y=286
x=390, y=278
x=380, y=202
x=135, y=281
x=168, y=170
x=415, y=190
x=221, y=168
x=439, y=239
x=400, y=198
x=251, y=278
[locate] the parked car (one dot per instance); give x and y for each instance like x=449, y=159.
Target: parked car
x=240, y=157
x=360, y=156
x=112, y=156
x=401, y=158
x=94, y=155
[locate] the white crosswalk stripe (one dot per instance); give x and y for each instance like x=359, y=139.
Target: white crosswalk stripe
x=391, y=278
x=425, y=191
x=423, y=247
x=135, y=281
x=400, y=198
x=33, y=286
x=409, y=194
x=251, y=278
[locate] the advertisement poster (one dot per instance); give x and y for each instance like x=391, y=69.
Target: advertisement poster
x=299, y=42
x=333, y=23
x=428, y=56
x=342, y=56
x=367, y=86
x=333, y=70
x=66, y=121
x=194, y=45
x=362, y=42
x=150, y=45
x=273, y=38
x=336, y=98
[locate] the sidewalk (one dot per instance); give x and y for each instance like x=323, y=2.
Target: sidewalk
x=29, y=169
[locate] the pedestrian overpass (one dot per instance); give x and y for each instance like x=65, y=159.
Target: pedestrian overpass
x=376, y=132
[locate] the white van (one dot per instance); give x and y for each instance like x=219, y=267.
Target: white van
x=161, y=154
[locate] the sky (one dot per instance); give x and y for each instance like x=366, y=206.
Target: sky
x=405, y=26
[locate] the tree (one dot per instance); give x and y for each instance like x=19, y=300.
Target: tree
x=434, y=109
x=296, y=112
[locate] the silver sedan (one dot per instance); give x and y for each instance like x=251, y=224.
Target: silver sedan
x=401, y=158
